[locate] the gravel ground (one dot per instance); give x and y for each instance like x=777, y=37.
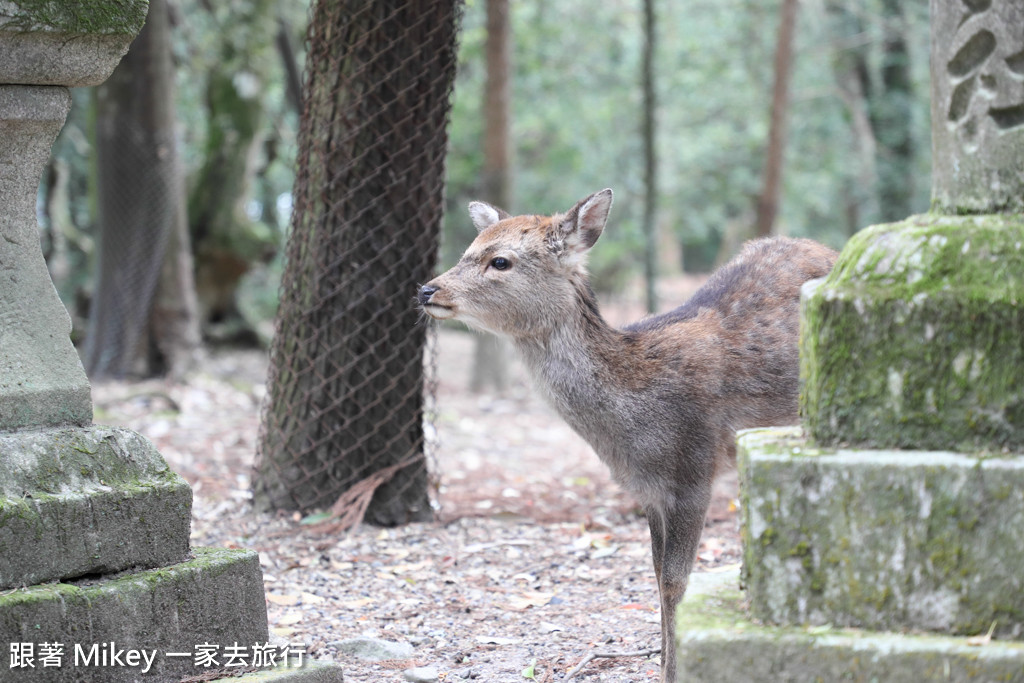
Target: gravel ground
x=536, y=557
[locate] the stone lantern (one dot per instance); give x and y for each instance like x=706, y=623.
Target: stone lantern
x=95, y=561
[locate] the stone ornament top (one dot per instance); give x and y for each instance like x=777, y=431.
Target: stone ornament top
x=44, y=42
x=977, y=68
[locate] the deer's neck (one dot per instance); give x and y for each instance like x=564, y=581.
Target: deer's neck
x=581, y=364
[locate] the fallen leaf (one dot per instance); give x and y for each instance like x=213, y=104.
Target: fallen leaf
x=282, y=631
x=356, y=604
x=530, y=671
x=604, y=552
x=978, y=641
x=290, y=618
x=546, y=627
x=496, y=640
x=408, y=568
x=527, y=600
x=285, y=600
x=311, y=599
x=315, y=518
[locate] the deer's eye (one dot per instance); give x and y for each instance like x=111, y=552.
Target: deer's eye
x=500, y=263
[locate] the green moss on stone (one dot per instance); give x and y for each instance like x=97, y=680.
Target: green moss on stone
x=881, y=538
x=718, y=640
x=76, y=18
x=914, y=340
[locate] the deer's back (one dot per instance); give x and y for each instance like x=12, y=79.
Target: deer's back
x=734, y=343
x=765, y=277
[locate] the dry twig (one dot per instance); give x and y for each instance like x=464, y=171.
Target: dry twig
x=601, y=655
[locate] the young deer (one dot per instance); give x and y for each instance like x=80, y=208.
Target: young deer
x=659, y=400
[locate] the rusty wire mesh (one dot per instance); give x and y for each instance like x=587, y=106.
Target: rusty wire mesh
x=343, y=425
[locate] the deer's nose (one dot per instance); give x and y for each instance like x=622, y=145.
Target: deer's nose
x=426, y=291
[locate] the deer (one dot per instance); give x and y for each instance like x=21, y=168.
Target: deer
x=659, y=400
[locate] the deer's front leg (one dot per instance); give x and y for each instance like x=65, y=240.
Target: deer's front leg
x=656, y=523
x=675, y=536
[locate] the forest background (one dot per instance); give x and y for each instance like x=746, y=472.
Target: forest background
x=856, y=150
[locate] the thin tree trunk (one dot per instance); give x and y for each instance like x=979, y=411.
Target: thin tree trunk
x=139, y=201
x=768, y=202
x=490, y=353
x=650, y=161
x=893, y=120
x=174, y=319
x=293, y=75
x=853, y=83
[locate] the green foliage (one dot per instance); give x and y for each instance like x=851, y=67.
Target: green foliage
x=577, y=114
x=228, y=41
x=576, y=119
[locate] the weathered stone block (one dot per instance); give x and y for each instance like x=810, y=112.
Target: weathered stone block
x=72, y=44
x=887, y=540
x=718, y=641
x=216, y=599
x=80, y=501
x=916, y=339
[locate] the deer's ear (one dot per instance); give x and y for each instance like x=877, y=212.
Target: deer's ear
x=584, y=223
x=484, y=215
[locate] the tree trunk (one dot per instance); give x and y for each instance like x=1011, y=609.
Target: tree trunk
x=491, y=353
x=292, y=72
x=768, y=202
x=175, y=340
x=893, y=120
x=345, y=391
x=650, y=161
x=140, y=202
x=853, y=82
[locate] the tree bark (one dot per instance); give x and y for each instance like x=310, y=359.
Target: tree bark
x=345, y=392
x=768, y=202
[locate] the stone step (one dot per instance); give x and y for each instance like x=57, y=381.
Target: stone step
x=89, y=500
x=886, y=540
x=212, y=603
x=717, y=640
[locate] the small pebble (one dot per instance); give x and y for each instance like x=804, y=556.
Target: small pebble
x=421, y=674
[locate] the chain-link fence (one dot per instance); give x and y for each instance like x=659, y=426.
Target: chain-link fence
x=343, y=426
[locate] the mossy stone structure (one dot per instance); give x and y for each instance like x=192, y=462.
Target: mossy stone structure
x=885, y=539
x=915, y=340
x=94, y=527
